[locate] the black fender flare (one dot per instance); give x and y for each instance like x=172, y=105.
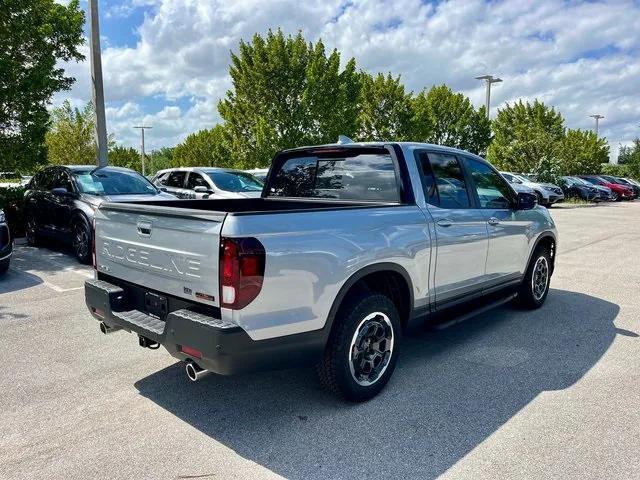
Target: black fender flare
x=355, y=278
x=540, y=238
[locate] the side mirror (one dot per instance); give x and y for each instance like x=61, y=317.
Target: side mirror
x=60, y=191
x=162, y=189
x=201, y=189
x=526, y=201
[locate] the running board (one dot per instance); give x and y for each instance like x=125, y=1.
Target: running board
x=472, y=313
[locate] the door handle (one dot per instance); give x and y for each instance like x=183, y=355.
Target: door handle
x=445, y=222
x=493, y=221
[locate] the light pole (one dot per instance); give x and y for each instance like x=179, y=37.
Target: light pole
x=489, y=79
x=142, y=129
x=97, y=91
x=597, y=116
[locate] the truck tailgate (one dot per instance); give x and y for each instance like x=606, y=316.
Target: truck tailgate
x=170, y=250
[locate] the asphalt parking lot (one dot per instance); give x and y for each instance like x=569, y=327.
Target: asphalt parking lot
x=553, y=393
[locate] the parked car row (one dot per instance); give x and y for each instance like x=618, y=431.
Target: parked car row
x=547, y=193
x=60, y=201
x=594, y=188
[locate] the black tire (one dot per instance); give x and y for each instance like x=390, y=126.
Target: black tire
x=81, y=238
x=31, y=231
x=367, y=316
x=4, y=266
x=531, y=294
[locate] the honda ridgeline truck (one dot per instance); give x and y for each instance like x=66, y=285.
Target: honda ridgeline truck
x=348, y=248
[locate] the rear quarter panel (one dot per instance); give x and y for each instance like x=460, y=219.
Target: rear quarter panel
x=310, y=255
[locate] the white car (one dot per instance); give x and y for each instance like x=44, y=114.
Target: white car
x=547, y=194
x=259, y=173
x=207, y=182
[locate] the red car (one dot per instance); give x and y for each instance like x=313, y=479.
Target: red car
x=620, y=192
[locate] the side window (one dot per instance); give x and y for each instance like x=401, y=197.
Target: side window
x=444, y=182
x=176, y=179
x=162, y=179
x=493, y=191
x=428, y=180
x=196, y=180
x=61, y=180
x=48, y=178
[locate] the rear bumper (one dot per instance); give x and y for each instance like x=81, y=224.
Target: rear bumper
x=225, y=348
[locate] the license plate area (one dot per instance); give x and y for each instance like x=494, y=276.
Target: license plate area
x=156, y=305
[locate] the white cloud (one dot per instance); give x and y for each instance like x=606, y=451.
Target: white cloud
x=582, y=58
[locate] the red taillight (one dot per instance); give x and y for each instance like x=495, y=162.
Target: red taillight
x=241, y=271
x=93, y=243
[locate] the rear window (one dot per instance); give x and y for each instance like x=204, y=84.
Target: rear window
x=361, y=176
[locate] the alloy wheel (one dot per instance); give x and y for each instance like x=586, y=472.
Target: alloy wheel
x=540, y=278
x=371, y=348
x=80, y=241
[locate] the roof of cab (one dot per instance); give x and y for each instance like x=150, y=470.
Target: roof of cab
x=407, y=145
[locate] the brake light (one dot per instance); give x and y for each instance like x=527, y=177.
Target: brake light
x=93, y=243
x=242, y=262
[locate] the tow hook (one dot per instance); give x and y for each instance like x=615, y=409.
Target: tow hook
x=144, y=342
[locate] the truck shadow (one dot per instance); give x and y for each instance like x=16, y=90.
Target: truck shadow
x=452, y=389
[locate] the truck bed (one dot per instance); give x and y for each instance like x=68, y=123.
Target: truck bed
x=250, y=206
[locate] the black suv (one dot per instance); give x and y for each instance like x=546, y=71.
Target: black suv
x=5, y=244
x=60, y=201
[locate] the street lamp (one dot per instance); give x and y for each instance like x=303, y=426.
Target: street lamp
x=97, y=91
x=489, y=79
x=597, y=116
x=142, y=129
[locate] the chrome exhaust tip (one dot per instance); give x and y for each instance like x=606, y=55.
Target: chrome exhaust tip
x=194, y=372
x=106, y=329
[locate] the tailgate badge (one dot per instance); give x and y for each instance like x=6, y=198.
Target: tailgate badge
x=144, y=228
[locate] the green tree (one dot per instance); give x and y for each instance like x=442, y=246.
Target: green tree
x=527, y=138
x=384, y=109
x=127, y=157
x=161, y=158
x=34, y=36
x=71, y=137
x=616, y=170
x=204, y=148
x=582, y=152
x=629, y=156
x=286, y=93
x=444, y=117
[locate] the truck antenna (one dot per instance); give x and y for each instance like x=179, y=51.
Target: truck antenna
x=343, y=140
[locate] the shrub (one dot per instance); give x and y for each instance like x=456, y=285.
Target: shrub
x=11, y=199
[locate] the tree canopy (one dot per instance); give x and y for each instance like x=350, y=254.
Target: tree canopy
x=443, y=117
x=127, y=157
x=286, y=93
x=34, y=36
x=527, y=138
x=384, y=109
x=71, y=136
x=582, y=152
x=204, y=148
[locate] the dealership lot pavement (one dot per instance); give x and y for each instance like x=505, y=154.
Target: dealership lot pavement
x=553, y=393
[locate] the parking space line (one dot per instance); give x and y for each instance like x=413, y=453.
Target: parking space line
x=59, y=289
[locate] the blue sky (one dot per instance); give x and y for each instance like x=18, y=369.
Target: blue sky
x=166, y=61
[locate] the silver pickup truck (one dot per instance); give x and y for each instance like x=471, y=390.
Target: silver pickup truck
x=348, y=248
